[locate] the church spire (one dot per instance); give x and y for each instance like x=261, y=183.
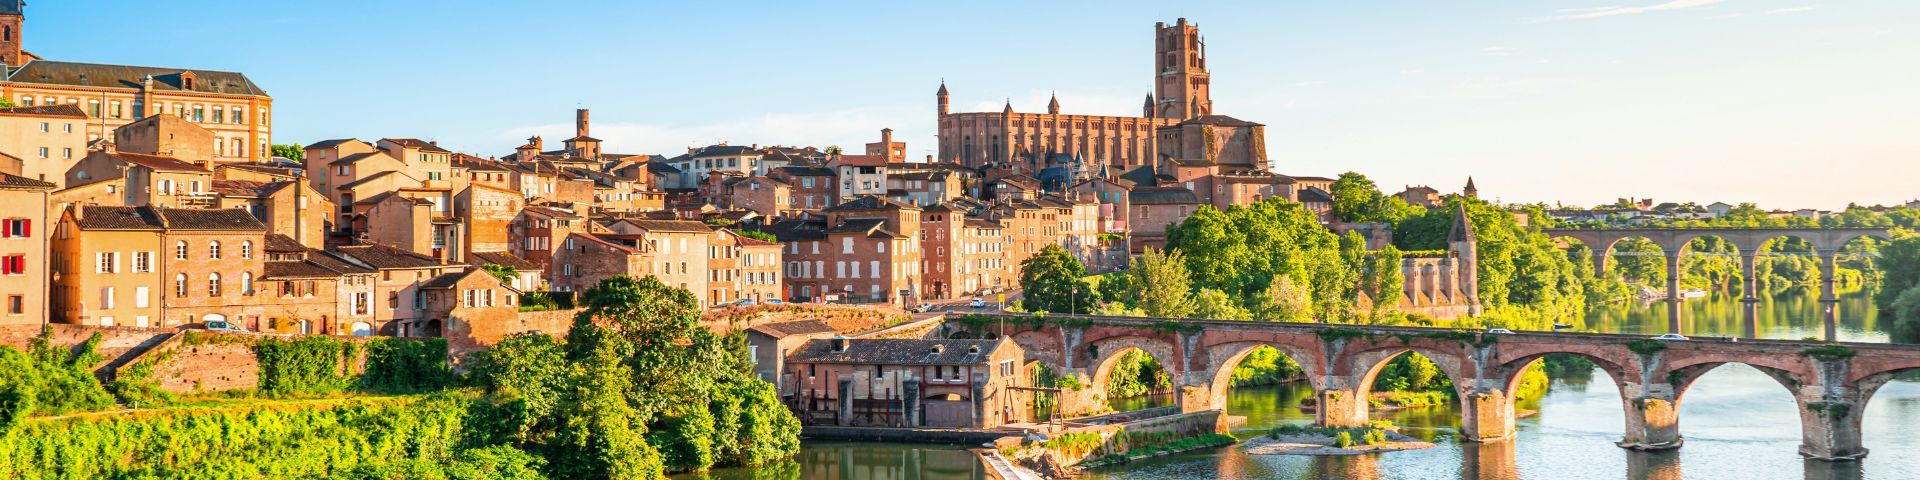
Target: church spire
x=1147, y=109
x=941, y=96
x=1009, y=109
x=1053, y=103
x=1470, y=191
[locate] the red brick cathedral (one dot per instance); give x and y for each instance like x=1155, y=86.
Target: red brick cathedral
x=1087, y=142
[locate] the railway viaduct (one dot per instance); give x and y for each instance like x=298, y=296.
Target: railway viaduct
x=1830, y=382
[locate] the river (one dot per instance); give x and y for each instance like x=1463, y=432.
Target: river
x=1737, y=424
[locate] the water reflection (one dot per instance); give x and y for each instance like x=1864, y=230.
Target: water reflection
x=862, y=461
x=1790, y=314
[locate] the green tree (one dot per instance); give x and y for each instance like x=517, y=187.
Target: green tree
x=1356, y=199
x=1906, y=312
x=1050, y=281
x=1117, y=288
x=1284, y=302
x=1382, y=280
x=1900, y=267
x=1160, y=284
x=1214, y=304
x=291, y=152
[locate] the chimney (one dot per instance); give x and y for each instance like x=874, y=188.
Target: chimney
x=580, y=122
x=886, y=138
x=79, y=211
x=840, y=343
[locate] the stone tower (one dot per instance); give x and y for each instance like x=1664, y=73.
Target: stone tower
x=1470, y=191
x=13, y=22
x=1180, y=71
x=1053, y=105
x=942, y=97
x=1465, y=249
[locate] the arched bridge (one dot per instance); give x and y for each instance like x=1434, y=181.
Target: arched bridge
x=1831, y=382
x=1826, y=242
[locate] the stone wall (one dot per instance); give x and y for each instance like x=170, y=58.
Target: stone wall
x=465, y=337
x=115, y=342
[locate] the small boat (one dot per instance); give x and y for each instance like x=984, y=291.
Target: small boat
x=1562, y=326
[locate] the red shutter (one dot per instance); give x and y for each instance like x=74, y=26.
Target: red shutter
x=6, y=229
x=26, y=227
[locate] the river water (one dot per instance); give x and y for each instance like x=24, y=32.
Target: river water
x=1737, y=424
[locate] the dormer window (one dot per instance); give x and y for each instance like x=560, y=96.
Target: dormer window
x=186, y=81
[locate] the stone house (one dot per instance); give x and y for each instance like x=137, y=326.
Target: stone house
x=584, y=259
x=465, y=304
x=813, y=188
x=766, y=196
x=42, y=142
x=400, y=304
x=680, y=246
x=769, y=343
x=288, y=207
x=875, y=245
x=536, y=231
x=105, y=267
x=906, y=383
x=150, y=179
x=485, y=213
x=24, y=248
x=528, y=276
x=416, y=220
x=859, y=175
x=1155, y=209
x=306, y=292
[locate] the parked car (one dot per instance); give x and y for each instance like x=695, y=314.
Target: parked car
x=774, y=301
x=923, y=308
x=977, y=303
x=223, y=326
x=1499, y=330
x=1671, y=336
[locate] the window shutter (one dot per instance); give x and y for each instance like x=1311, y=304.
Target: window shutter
x=26, y=227
x=6, y=231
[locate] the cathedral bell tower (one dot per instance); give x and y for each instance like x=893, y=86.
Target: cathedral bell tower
x=13, y=22
x=1180, y=71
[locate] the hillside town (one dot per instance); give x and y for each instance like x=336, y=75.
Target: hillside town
x=165, y=205
x=1054, y=292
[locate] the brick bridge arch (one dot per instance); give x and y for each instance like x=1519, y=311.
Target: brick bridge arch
x=1340, y=362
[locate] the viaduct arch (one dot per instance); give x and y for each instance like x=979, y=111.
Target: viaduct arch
x=1826, y=242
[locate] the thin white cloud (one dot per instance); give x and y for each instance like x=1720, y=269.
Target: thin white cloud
x=1776, y=11
x=1498, y=51
x=1618, y=11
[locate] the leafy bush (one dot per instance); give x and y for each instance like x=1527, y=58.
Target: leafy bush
x=307, y=366
x=396, y=365
x=49, y=380
x=1342, y=439
x=307, y=439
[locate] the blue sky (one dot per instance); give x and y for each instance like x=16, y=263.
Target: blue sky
x=1787, y=103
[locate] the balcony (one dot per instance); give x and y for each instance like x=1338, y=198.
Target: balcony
x=199, y=200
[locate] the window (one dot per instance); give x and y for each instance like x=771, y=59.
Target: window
x=142, y=262
x=113, y=109
x=106, y=297
x=43, y=152
x=213, y=284
x=362, y=303
x=66, y=153
x=108, y=262
x=166, y=187
x=199, y=112
x=180, y=285
x=140, y=295
x=213, y=250
x=16, y=305
x=93, y=108
x=16, y=227
x=246, y=249
x=180, y=250
x=14, y=265
x=246, y=283
x=219, y=114
x=238, y=118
